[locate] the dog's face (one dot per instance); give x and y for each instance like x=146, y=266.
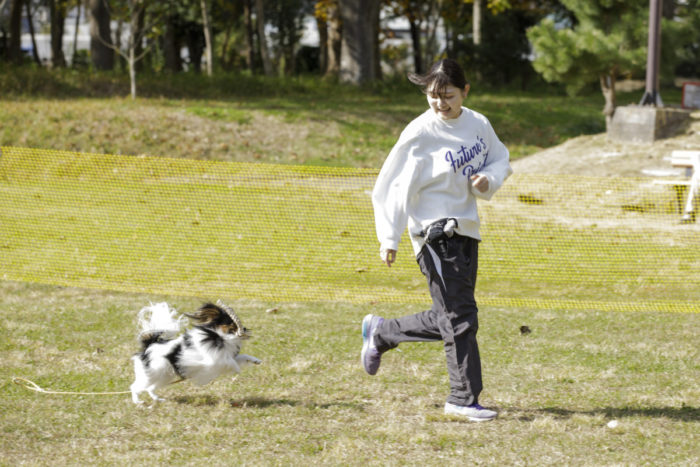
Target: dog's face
x=215, y=317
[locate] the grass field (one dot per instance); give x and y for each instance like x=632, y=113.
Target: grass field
x=115, y=233
x=237, y=117
x=310, y=403
x=139, y=224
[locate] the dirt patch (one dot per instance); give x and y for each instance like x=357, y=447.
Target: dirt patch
x=596, y=155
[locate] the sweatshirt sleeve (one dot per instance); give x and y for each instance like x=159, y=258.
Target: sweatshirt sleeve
x=391, y=194
x=497, y=167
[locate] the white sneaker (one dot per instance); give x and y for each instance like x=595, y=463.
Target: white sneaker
x=370, y=356
x=474, y=412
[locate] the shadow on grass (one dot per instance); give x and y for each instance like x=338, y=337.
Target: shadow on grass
x=260, y=402
x=686, y=413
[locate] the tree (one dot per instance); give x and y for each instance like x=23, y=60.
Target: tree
x=14, y=52
x=423, y=17
x=182, y=28
x=101, y=51
x=75, y=33
x=133, y=12
x=248, y=24
x=476, y=22
x=286, y=17
x=30, y=23
x=172, y=42
x=495, y=6
x=137, y=33
x=358, y=57
x=328, y=15
x=608, y=41
x=208, y=38
x=262, y=38
x=687, y=51
x=57, y=13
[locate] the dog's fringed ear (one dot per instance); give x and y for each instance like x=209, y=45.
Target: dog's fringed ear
x=234, y=317
x=208, y=313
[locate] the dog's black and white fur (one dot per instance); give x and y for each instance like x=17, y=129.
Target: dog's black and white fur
x=201, y=354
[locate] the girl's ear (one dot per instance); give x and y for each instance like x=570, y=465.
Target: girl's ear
x=465, y=91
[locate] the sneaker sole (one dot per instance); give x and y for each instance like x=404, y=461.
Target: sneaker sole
x=472, y=419
x=365, y=341
x=365, y=327
x=479, y=420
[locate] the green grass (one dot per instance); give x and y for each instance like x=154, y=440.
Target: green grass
x=237, y=117
x=310, y=403
x=115, y=233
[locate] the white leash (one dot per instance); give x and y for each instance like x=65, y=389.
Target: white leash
x=31, y=385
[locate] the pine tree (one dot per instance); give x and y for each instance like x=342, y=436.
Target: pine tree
x=608, y=40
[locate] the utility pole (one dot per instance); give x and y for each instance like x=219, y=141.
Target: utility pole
x=651, y=93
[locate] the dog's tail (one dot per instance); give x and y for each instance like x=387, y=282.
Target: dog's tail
x=159, y=322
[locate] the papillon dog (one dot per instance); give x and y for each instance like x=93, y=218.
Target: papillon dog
x=208, y=350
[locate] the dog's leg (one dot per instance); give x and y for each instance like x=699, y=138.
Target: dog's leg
x=244, y=360
x=154, y=396
x=140, y=378
x=135, y=395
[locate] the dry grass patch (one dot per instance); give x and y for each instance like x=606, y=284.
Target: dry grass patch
x=163, y=128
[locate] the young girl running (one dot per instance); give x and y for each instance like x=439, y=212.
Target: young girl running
x=443, y=160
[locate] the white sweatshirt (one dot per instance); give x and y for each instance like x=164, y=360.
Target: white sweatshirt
x=426, y=176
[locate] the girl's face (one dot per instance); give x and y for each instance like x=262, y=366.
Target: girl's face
x=447, y=104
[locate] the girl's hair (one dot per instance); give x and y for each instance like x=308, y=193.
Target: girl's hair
x=443, y=73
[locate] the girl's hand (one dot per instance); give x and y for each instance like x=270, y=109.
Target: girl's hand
x=388, y=256
x=480, y=182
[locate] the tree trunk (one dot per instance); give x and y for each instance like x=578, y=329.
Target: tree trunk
x=668, y=9
x=195, y=47
x=57, y=11
x=431, y=43
x=100, y=35
x=250, y=49
x=121, y=59
x=132, y=69
x=171, y=46
x=360, y=25
x=476, y=36
x=607, y=85
x=75, y=33
x=377, y=50
x=30, y=22
x=415, y=41
x=138, y=22
x=136, y=52
x=208, y=39
x=262, y=39
x=322, y=44
x=223, y=59
x=476, y=22
x=14, y=51
x=334, y=42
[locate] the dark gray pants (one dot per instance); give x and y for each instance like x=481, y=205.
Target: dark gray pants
x=450, y=265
